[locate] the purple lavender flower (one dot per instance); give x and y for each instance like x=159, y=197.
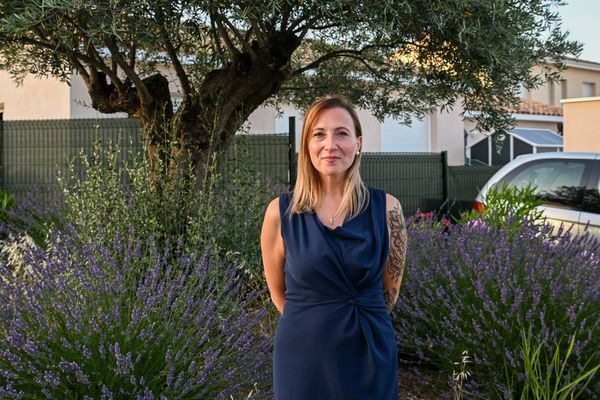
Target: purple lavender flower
x=161, y=316
x=476, y=287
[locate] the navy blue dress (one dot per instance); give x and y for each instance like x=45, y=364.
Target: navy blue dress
x=335, y=339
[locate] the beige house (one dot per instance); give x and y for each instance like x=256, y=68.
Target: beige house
x=580, y=79
x=582, y=124
x=542, y=114
x=48, y=98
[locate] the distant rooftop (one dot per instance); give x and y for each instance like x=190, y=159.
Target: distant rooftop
x=536, y=108
x=533, y=137
x=585, y=64
x=538, y=137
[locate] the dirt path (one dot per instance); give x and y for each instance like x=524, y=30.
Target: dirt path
x=423, y=385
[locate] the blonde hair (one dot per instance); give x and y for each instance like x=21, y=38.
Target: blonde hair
x=307, y=192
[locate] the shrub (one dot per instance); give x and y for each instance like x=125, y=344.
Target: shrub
x=474, y=287
x=223, y=215
x=126, y=320
x=550, y=378
x=30, y=215
x=508, y=204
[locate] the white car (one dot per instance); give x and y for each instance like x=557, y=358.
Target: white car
x=567, y=183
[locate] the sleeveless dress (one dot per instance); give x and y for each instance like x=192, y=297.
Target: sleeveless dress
x=334, y=339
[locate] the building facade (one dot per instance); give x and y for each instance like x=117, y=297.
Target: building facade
x=48, y=98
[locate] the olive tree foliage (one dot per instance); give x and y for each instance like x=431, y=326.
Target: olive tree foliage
x=227, y=58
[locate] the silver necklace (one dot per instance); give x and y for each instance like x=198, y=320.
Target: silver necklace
x=330, y=219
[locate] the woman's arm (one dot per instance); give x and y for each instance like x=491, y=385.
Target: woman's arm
x=273, y=254
x=394, y=267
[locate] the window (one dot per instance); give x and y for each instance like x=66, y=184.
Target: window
x=563, y=89
x=589, y=89
x=591, y=196
x=558, y=183
x=523, y=92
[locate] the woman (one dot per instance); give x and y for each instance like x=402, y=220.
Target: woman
x=333, y=254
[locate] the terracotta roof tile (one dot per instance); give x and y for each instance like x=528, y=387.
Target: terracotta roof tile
x=537, y=108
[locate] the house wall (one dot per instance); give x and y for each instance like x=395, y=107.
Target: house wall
x=371, y=131
x=447, y=133
x=80, y=102
x=581, y=129
x=36, y=98
x=553, y=126
x=571, y=86
x=263, y=120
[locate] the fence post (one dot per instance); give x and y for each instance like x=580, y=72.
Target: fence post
x=292, y=152
x=445, y=178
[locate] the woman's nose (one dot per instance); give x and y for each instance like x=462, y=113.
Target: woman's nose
x=330, y=142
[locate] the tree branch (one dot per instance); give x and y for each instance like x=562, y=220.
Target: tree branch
x=284, y=19
x=181, y=75
x=345, y=53
x=304, y=30
x=262, y=41
x=110, y=72
x=132, y=51
x=223, y=33
x=328, y=56
x=239, y=37
x=145, y=97
x=52, y=45
x=215, y=38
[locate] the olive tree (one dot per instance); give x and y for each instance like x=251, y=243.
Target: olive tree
x=393, y=57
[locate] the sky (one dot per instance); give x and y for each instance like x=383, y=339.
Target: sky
x=582, y=19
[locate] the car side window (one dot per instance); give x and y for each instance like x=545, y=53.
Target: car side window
x=557, y=182
x=591, y=196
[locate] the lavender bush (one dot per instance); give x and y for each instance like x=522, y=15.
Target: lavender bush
x=120, y=318
x=31, y=214
x=474, y=287
x=222, y=214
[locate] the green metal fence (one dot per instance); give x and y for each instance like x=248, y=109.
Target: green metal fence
x=414, y=178
x=33, y=152
x=464, y=183
x=269, y=154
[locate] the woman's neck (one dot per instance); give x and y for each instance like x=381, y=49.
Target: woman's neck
x=332, y=187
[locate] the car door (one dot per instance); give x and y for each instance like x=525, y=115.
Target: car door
x=590, y=215
x=560, y=185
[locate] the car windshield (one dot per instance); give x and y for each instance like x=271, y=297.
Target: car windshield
x=555, y=181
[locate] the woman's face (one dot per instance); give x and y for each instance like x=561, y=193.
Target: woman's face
x=332, y=142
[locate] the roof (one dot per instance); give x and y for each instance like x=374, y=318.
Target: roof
x=533, y=137
x=538, y=137
x=582, y=64
x=537, y=108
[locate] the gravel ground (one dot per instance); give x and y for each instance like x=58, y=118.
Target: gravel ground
x=422, y=384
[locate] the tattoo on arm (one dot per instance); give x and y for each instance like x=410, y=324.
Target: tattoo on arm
x=390, y=297
x=398, y=240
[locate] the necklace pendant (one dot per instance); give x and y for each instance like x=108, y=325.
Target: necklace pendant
x=330, y=221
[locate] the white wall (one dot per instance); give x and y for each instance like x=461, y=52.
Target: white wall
x=81, y=102
x=447, y=133
x=36, y=98
x=396, y=136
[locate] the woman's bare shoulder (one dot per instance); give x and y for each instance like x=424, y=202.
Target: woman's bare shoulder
x=391, y=202
x=272, y=212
